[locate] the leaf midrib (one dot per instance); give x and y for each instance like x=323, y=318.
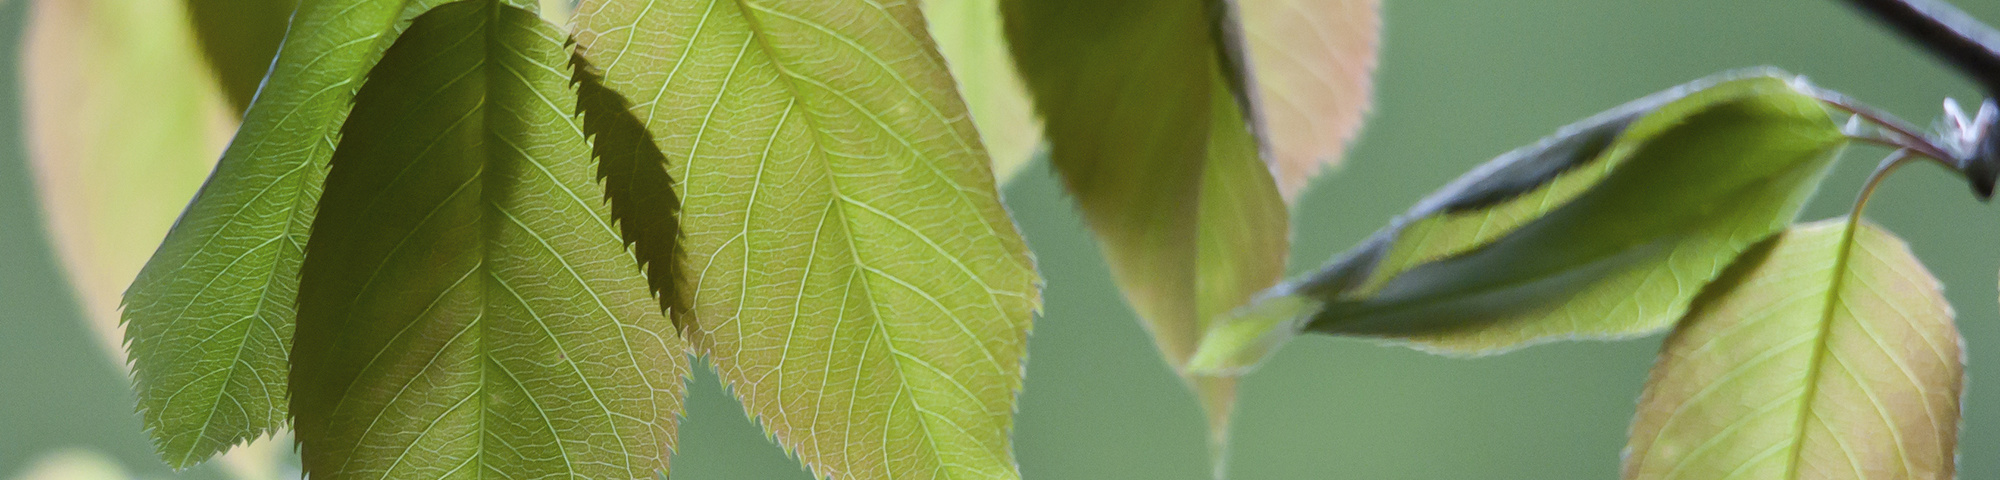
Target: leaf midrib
x=1821, y=348
x=833, y=180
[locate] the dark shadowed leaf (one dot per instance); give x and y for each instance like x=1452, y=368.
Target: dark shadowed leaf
x=1597, y=232
x=636, y=183
x=1829, y=354
x=211, y=315
x=855, y=279
x=239, y=38
x=209, y=318
x=466, y=308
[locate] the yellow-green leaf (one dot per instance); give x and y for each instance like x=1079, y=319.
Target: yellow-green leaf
x=968, y=33
x=466, y=309
x=1829, y=353
x=1603, y=231
x=1313, y=61
x=1151, y=141
x=853, y=275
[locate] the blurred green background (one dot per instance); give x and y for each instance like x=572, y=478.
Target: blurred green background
x=1461, y=81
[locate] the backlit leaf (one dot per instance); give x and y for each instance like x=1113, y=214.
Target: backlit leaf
x=1822, y=357
x=1313, y=62
x=210, y=316
x=1602, y=231
x=466, y=308
x=1152, y=143
x=854, y=277
x=968, y=33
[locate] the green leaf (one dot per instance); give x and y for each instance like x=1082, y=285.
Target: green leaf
x=1151, y=142
x=209, y=319
x=239, y=37
x=1829, y=354
x=968, y=33
x=854, y=276
x=1314, y=62
x=466, y=308
x=1605, y=230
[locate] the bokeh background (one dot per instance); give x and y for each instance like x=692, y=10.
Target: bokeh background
x=1461, y=81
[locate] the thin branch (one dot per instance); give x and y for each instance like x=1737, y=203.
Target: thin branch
x=1949, y=33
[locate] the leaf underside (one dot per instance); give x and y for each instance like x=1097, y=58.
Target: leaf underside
x=209, y=318
x=467, y=309
x=1314, y=62
x=1597, y=232
x=1152, y=143
x=1807, y=361
x=853, y=275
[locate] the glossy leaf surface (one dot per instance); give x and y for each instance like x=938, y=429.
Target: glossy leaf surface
x=466, y=308
x=851, y=272
x=1822, y=356
x=209, y=319
x=1597, y=232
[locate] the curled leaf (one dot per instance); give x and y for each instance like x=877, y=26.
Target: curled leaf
x=1602, y=231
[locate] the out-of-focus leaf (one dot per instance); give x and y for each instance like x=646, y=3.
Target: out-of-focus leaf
x=466, y=307
x=1152, y=143
x=1313, y=64
x=74, y=464
x=210, y=316
x=855, y=278
x=558, y=12
x=239, y=38
x=124, y=70
x=968, y=33
x=1605, y=230
x=1825, y=356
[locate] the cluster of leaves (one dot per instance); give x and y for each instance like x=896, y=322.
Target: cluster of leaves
x=452, y=237
x=456, y=228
